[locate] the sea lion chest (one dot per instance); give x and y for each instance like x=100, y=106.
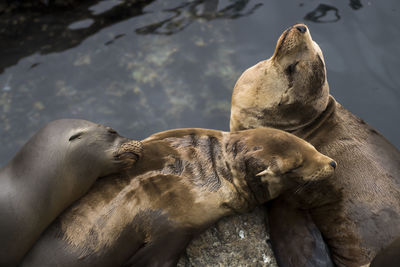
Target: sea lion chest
x=368, y=169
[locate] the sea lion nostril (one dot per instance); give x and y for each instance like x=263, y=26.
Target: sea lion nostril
x=301, y=29
x=333, y=164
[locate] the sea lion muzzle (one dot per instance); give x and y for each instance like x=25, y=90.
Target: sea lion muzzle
x=301, y=29
x=130, y=151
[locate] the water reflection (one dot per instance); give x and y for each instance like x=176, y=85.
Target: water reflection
x=323, y=14
x=68, y=28
x=183, y=15
x=355, y=4
x=46, y=30
x=146, y=66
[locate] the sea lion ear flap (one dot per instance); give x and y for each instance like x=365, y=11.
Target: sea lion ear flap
x=268, y=175
x=273, y=169
x=267, y=171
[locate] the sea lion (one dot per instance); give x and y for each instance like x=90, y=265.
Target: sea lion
x=389, y=256
x=358, y=211
x=53, y=169
x=186, y=180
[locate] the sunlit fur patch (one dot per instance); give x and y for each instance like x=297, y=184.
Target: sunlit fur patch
x=288, y=91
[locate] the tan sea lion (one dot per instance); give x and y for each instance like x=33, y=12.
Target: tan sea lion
x=186, y=180
x=358, y=211
x=54, y=168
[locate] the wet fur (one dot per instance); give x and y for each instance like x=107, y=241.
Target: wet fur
x=184, y=182
x=358, y=211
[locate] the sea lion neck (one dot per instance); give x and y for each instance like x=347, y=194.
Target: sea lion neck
x=306, y=131
x=235, y=151
x=258, y=189
x=243, y=168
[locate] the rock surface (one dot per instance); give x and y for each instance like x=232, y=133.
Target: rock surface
x=240, y=240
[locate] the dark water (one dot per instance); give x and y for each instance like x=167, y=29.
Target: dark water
x=147, y=66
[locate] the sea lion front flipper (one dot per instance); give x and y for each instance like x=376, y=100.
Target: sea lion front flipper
x=164, y=251
x=296, y=240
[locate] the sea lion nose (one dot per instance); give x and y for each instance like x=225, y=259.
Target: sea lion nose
x=301, y=29
x=333, y=164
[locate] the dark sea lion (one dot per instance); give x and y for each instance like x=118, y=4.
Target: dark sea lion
x=358, y=211
x=186, y=180
x=389, y=256
x=54, y=168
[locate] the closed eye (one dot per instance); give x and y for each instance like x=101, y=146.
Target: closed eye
x=111, y=130
x=291, y=68
x=75, y=136
x=294, y=169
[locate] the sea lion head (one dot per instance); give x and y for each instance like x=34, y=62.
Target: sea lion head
x=70, y=154
x=287, y=91
x=277, y=160
x=78, y=148
x=100, y=146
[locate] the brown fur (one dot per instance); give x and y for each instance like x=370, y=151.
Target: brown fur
x=389, y=256
x=185, y=181
x=357, y=212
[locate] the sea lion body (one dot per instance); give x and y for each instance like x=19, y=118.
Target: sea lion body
x=52, y=170
x=358, y=210
x=186, y=180
x=389, y=256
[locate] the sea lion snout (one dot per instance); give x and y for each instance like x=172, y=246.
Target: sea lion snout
x=129, y=151
x=326, y=170
x=301, y=28
x=333, y=164
x=293, y=42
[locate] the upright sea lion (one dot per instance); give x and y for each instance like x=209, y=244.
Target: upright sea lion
x=358, y=211
x=186, y=180
x=53, y=169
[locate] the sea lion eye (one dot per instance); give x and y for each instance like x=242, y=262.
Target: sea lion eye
x=111, y=131
x=291, y=68
x=294, y=169
x=75, y=136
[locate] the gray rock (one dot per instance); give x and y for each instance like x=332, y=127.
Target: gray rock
x=240, y=240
